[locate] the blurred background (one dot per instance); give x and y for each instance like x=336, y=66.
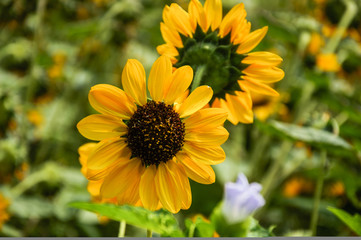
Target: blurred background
x=52, y=52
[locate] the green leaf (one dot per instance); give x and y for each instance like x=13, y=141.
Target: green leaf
x=312, y=136
x=161, y=221
x=200, y=227
x=354, y=222
x=256, y=230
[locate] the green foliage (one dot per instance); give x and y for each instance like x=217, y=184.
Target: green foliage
x=161, y=222
x=354, y=222
x=315, y=137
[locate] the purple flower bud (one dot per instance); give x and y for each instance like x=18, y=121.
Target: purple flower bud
x=241, y=199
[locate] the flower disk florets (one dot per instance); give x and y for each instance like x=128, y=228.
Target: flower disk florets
x=155, y=133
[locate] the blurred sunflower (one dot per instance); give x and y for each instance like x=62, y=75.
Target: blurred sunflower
x=218, y=51
x=4, y=216
x=149, y=148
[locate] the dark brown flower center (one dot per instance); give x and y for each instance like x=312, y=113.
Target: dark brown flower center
x=155, y=133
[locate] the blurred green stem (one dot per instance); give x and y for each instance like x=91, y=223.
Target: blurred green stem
x=28, y=182
x=122, y=226
x=317, y=198
x=257, y=155
x=268, y=181
x=350, y=13
x=192, y=228
x=149, y=233
x=38, y=44
x=198, y=77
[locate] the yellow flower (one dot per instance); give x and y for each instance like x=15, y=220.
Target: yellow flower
x=327, y=62
x=149, y=148
x=297, y=185
x=35, y=117
x=4, y=216
x=315, y=43
x=265, y=106
x=336, y=189
x=218, y=49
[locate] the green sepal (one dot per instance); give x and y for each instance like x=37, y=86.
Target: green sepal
x=249, y=227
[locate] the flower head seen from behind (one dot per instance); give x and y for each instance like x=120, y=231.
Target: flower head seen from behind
x=149, y=148
x=219, y=51
x=241, y=199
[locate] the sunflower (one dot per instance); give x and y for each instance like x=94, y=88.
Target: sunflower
x=218, y=50
x=149, y=148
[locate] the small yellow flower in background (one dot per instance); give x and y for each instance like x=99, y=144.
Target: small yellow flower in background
x=266, y=106
x=21, y=171
x=218, y=50
x=327, y=62
x=149, y=148
x=315, y=44
x=297, y=185
x=4, y=204
x=335, y=189
x=35, y=117
x=56, y=70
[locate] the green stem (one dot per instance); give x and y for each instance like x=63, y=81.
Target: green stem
x=38, y=43
x=268, y=181
x=122, y=226
x=198, y=77
x=317, y=198
x=149, y=233
x=350, y=13
x=192, y=228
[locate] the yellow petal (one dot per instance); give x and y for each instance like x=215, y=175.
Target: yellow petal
x=197, y=15
x=171, y=36
x=240, y=106
x=263, y=74
x=262, y=58
x=257, y=87
x=172, y=186
x=181, y=79
x=169, y=51
x=206, y=118
x=213, y=137
x=94, y=187
x=121, y=178
x=178, y=19
x=240, y=31
x=133, y=81
x=195, y=101
x=99, y=127
x=131, y=194
x=107, y=152
x=98, y=174
x=160, y=78
x=207, y=155
x=197, y=171
x=111, y=100
x=235, y=16
x=213, y=9
x=147, y=190
x=252, y=40
x=84, y=151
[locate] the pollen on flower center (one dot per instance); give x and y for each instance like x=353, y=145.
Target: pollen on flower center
x=155, y=133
